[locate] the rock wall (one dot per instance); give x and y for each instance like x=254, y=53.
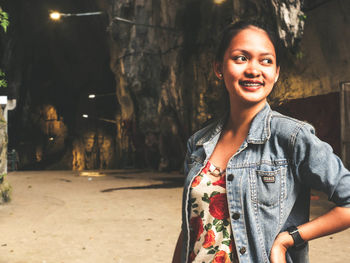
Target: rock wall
x=5, y=187
x=94, y=150
x=165, y=84
x=3, y=144
x=323, y=61
x=161, y=75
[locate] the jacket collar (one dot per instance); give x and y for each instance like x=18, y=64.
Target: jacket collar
x=260, y=128
x=213, y=129
x=259, y=131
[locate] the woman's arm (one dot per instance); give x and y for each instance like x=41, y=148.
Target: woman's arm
x=335, y=220
x=178, y=248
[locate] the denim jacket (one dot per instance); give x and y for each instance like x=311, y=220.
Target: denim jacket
x=268, y=181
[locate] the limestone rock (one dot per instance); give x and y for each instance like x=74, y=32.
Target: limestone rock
x=165, y=85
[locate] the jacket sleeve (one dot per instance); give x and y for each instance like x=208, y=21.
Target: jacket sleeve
x=319, y=168
x=186, y=170
x=188, y=154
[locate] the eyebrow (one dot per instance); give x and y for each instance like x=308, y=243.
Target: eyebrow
x=247, y=52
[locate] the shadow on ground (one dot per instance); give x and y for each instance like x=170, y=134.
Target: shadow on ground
x=168, y=182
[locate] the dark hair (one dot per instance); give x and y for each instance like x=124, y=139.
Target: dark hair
x=234, y=28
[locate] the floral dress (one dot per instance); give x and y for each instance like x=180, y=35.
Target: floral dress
x=211, y=238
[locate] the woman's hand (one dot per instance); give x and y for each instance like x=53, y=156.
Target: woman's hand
x=279, y=248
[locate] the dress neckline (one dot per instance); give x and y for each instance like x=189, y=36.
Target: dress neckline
x=214, y=170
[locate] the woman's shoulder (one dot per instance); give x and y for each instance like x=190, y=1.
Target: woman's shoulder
x=207, y=130
x=284, y=125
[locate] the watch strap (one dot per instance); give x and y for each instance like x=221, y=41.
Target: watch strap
x=298, y=241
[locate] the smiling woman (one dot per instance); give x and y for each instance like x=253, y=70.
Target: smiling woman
x=249, y=174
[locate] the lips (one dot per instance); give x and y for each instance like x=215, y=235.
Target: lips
x=251, y=85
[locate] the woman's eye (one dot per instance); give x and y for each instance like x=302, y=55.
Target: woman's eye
x=240, y=58
x=267, y=61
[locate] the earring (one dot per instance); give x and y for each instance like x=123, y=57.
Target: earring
x=220, y=75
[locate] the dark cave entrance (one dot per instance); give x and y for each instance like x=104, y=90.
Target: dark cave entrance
x=54, y=66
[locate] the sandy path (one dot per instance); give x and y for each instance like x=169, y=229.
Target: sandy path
x=62, y=217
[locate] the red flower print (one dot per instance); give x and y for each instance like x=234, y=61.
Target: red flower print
x=209, y=239
x=196, y=228
x=196, y=181
x=221, y=182
x=206, y=168
x=218, y=207
x=221, y=257
x=191, y=257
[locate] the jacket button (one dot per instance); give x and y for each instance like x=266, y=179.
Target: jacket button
x=230, y=177
x=236, y=216
x=242, y=250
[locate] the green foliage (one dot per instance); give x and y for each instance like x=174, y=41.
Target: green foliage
x=3, y=82
x=302, y=17
x=299, y=55
x=4, y=19
x=4, y=23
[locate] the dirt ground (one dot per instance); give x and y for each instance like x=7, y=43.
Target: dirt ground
x=122, y=216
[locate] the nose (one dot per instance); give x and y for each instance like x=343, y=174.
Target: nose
x=252, y=70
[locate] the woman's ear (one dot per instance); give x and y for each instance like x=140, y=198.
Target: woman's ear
x=277, y=73
x=218, y=70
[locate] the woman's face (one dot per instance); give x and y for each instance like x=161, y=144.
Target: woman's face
x=249, y=67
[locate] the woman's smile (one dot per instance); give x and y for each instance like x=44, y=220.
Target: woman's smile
x=251, y=85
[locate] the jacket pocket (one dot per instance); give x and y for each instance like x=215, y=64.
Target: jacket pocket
x=268, y=185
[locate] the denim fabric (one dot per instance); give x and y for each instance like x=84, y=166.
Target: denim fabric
x=273, y=171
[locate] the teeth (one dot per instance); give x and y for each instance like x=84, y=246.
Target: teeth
x=251, y=84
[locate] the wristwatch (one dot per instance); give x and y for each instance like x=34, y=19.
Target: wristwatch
x=298, y=241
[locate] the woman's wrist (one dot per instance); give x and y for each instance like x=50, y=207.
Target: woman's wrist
x=284, y=239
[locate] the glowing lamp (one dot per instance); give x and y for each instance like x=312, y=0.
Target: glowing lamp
x=55, y=15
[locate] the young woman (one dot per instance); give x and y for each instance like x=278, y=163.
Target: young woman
x=248, y=175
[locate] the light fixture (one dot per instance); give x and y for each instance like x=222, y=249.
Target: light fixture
x=85, y=116
x=218, y=2
x=55, y=15
x=93, y=96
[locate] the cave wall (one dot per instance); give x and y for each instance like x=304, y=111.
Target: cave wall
x=166, y=88
x=323, y=60
x=163, y=79
x=165, y=85
x=3, y=145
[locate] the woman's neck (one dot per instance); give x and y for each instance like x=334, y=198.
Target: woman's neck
x=241, y=117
